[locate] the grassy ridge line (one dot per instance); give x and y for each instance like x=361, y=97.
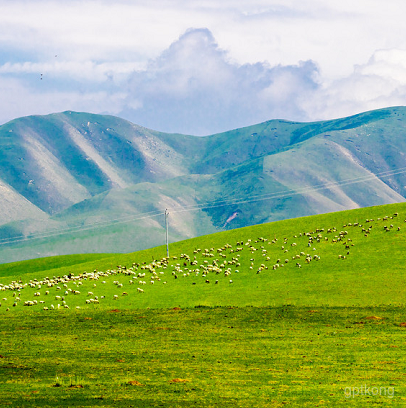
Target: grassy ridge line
x=60, y=265
x=364, y=266
x=39, y=265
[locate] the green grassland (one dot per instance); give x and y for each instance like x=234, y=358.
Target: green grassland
x=300, y=312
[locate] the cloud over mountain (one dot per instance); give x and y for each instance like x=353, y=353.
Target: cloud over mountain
x=193, y=87
x=378, y=83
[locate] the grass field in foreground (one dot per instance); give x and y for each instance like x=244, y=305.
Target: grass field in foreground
x=204, y=357
x=313, y=332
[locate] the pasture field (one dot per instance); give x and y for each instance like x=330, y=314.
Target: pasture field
x=204, y=357
x=301, y=312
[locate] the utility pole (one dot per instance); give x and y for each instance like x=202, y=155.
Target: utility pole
x=166, y=233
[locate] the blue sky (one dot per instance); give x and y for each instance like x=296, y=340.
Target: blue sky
x=201, y=67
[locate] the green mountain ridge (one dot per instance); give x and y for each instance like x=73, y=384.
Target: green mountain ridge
x=78, y=182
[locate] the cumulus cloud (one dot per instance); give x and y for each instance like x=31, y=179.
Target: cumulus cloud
x=193, y=87
x=379, y=83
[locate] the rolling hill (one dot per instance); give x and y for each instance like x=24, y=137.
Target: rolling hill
x=346, y=258
x=77, y=182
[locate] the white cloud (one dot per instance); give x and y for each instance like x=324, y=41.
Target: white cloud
x=337, y=34
x=379, y=83
x=194, y=88
x=387, y=64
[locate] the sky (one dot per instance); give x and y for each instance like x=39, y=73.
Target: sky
x=202, y=66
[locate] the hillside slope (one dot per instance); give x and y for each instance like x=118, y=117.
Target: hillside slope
x=74, y=182
x=352, y=257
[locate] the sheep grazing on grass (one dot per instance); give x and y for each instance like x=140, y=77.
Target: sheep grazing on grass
x=226, y=257
x=140, y=290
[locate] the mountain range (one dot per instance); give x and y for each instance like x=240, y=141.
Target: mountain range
x=78, y=182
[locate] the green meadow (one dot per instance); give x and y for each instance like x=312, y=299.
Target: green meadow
x=302, y=312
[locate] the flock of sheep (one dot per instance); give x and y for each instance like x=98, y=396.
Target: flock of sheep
x=203, y=266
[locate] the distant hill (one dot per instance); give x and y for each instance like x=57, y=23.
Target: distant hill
x=77, y=182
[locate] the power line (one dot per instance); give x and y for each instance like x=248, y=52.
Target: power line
x=289, y=192
x=100, y=224
x=197, y=207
